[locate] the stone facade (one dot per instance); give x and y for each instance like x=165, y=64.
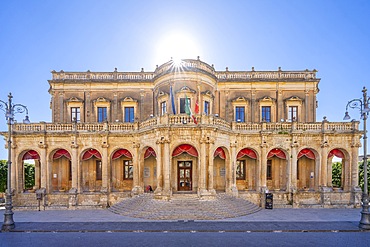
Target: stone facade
x=186, y=128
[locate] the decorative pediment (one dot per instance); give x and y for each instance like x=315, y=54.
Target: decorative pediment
x=162, y=94
x=129, y=99
x=267, y=99
x=186, y=89
x=294, y=98
x=74, y=99
x=208, y=93
x=101, y=99
x=240, y=99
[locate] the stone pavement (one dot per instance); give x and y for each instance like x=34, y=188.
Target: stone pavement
x=101, y=220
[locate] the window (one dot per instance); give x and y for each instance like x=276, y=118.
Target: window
x=293, y=114
x=75, y=114
x=298, y=170
x=183, y=104
x=266, y=113
x=163, y=108
x=98, y=170
x=239, y=113
x=102, y=114
x=70, y=170
x=269, y=170
x=128, y=169
x=206, y=107
x=129, y=114
x=240, y=169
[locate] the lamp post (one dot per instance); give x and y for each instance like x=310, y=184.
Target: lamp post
x=363, y=105
x=10, y=110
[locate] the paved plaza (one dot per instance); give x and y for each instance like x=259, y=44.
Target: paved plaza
x=101, y=220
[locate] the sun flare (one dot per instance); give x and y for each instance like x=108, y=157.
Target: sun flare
x=176, y=46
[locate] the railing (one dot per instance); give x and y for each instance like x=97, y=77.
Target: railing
x=250, y=75
x=184, y=120
x=148, y=123
x=103, y=76
x=186, y=64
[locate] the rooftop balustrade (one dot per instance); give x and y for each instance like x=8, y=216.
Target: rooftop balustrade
x=186, y=65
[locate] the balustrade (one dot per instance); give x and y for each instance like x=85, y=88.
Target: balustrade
x=183, y=119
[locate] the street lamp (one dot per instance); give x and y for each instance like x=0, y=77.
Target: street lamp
x=10, y=110
x=363, y=105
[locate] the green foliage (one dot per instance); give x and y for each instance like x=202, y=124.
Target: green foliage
x=29, y=175
x=3, y=175
x=337, y=174
x=361, y=175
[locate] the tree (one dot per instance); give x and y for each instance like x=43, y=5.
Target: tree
x=337, y=174
x=3, y=175
x=29, y=175
x=361, y=174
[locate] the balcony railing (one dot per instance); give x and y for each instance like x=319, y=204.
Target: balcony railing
x=183, y=120
x=186, y=65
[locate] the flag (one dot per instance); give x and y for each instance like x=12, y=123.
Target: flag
x=197, y=107
x=188, y=109
x=172, y=101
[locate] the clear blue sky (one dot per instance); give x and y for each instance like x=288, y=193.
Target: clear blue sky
x=37, y=36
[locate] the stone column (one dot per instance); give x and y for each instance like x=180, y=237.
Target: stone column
x=43, y=171
x=280, y=105
x=263, y=166
x=324, y=166
x=293, y=169
x=210, y=168
x=75, y=170
x=158, y=190
x=232, y=189
x=61, y=107
x=202, y=171
x=253, y=107
x=88, y=107
x=166, y=169
x=115, y=108
x=354, y=167
x=136, y=164
x=105, y=168
x=306, y=108
x=355, y=188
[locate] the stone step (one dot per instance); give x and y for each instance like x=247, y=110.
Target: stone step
x=184, y=206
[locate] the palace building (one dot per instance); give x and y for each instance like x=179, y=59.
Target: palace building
x=186, y=128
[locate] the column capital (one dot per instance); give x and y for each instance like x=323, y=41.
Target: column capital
x=136, y=145
x=74, y=146
x=42, y=145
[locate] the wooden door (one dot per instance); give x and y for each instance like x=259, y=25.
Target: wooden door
x=184, y=175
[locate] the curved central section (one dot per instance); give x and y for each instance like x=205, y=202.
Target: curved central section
x=184, y=87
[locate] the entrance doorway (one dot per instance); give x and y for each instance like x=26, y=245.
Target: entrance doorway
x=184, y=176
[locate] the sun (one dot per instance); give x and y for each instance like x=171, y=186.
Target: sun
x=176, y=46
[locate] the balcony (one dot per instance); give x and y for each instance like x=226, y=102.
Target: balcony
x=185, y=121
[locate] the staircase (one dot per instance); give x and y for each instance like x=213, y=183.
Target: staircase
x=184, y=207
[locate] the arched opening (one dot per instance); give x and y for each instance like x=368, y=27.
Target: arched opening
x=336, y=169
x=31, y=173
x=219, y=169
x=246, y=169
x=91, y=170
x=276, y=170
x=150, y=170
x=185, y=168
x=306, y=170
x=122, y=170
x=61, y=171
